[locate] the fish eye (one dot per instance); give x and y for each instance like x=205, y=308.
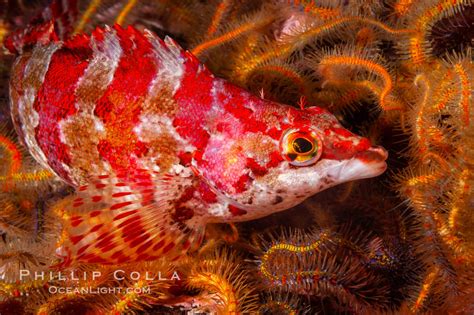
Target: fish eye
x=301, y=147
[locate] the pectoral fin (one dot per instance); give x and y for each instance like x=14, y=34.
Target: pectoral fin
x=128, y=218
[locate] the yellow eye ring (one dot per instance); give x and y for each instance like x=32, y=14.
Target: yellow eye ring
x=300, y=147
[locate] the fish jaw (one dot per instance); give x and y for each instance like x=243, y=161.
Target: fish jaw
x=328, y=173
x=287, y=186
x=366, y=164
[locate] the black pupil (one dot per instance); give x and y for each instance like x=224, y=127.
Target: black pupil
x=302, y=145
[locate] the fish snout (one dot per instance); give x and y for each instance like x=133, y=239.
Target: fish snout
x=374, y=158
x=374, y=154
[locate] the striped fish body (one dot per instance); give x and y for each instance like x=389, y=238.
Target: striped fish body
x=107, y=113
x=101, y=103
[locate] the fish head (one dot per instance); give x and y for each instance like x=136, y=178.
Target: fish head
x=285, y=155
x=317, y=153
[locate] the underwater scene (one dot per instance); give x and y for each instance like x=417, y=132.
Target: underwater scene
x=236, y=157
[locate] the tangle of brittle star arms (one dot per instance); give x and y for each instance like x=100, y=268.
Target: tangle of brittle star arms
x=306, y=263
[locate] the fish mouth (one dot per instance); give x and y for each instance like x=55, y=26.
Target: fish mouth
x=374, y=154
x=374, y=158
x=365, y=164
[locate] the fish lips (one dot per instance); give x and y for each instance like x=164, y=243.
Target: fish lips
x=365, y=164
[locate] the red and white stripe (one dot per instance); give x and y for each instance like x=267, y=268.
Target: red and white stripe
x=33, y=77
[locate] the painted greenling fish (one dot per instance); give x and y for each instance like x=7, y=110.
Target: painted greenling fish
x=157, y=146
